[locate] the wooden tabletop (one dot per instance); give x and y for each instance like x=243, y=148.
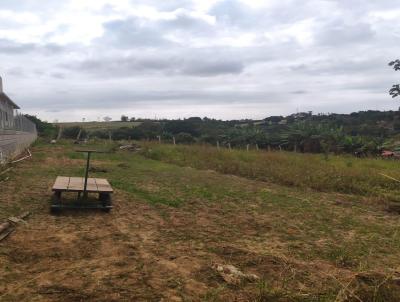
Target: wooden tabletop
x=76, y=184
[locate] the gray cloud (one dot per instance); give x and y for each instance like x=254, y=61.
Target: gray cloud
x=32, y=5
x=236, y=13
x=213, y=67
x=170, y=64
x=11, y=47
x=299, y=92
x=107, y=99
x=337, y=33
x=132, y=32
x=331, y=54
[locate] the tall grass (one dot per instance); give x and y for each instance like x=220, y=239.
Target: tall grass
x=344, y=174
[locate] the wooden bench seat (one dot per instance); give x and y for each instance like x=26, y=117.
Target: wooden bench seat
x=76, y=184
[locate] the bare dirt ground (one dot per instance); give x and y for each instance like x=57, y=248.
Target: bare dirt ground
x=152, y=251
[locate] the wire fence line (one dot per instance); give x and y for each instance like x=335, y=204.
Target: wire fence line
x=16, y=137
x=22, y=123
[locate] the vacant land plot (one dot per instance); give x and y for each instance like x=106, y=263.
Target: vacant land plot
x=171, y=224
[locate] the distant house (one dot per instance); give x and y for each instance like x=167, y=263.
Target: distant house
x=7, y=109
x=387, y=154
x=390, y=154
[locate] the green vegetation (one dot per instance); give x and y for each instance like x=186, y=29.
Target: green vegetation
x=395, y=90
x=344, y=174
x=362, y=133
x=179, y=209
x=44, y=129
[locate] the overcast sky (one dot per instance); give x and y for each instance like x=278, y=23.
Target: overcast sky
x=75, y=59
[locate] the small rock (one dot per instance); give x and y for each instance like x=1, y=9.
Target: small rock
x=130, y=147
x=233, y=275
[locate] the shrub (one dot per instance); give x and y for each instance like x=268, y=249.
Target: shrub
x=184, y=138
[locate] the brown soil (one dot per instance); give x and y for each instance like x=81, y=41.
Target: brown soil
x=143, y=252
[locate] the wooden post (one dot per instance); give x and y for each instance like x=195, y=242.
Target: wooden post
x=257, y=147
x=218, y=145
x=173, y=140
x=79, y=134
x=59, y=132
x=85, y=194
x=109, y=136
x=229, y=146
x=159, y=139
x=247, y=147
x=280, y=148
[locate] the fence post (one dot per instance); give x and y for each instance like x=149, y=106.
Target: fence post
x=247, y=147
x=79, y=134
x=173, y=140
x=109, y=136
x=218, y=145
x=59, y=132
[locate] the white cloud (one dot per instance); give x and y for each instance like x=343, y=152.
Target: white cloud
x=222, y=58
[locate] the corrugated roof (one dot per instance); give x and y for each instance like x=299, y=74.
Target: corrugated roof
x=5, y=98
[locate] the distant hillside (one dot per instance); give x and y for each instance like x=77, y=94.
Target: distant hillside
x=98, y=125
x=365, y=132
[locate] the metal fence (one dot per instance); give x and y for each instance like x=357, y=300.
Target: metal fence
x=18, y=136
x=21, y=123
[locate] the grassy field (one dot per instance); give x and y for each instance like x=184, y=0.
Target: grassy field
x=343, y=174
x=99, y=125
x=291, y=219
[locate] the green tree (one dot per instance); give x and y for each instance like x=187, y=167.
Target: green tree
x=184, y=138
x=72, y=132
x=395, y=90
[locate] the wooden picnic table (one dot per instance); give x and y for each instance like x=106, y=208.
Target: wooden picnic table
x=77, y=185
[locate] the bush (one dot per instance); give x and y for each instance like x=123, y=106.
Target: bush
x=184, y=138
x=44, y=129
x=72, y=132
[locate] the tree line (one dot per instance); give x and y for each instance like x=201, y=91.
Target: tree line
x=365, y=132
